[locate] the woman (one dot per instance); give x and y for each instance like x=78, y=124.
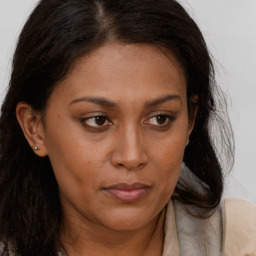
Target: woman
x=105, y=137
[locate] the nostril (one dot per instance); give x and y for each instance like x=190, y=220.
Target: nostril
x=141, y=165
x=130, y=165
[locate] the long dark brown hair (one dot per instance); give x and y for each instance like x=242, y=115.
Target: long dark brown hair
x=57, y=33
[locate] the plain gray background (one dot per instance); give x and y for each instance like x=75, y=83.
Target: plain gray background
x=229, y=27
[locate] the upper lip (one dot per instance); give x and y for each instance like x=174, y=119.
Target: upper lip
x=126, y=186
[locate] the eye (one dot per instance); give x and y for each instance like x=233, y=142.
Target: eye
x=96, y=121
x=160, y=120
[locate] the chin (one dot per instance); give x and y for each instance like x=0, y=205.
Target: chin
x=128, y=219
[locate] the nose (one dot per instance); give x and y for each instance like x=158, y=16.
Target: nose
x=130, y=150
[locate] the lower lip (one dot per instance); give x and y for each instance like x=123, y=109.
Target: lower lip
x=127, y=196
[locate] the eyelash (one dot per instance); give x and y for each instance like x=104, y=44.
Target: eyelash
x=102, y=127
x=97, y=127
x=167, y=122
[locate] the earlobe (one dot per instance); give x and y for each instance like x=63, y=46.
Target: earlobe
x=32, y=127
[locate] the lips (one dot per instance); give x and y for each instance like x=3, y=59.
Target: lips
x=127, y=193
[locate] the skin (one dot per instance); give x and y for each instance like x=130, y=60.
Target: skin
x=140, y=137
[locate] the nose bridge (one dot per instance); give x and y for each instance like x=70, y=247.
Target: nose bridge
x=130, y=147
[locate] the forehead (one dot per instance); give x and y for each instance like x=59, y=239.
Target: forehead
x=125, y=71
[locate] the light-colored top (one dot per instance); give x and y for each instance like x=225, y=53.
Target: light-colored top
x=240, y=228
x=235, y=231
x=239, y=237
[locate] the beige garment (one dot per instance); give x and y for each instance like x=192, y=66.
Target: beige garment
x=171, y=244
x=239, y=230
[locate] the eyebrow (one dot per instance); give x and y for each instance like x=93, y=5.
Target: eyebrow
x=163, y=99
x=107, y=103
x=96, y=100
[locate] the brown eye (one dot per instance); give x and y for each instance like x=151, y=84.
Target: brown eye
x=100, y=120
x=96, y=121
x=160, y=120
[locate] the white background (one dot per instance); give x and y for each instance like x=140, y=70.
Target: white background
x=229, y=27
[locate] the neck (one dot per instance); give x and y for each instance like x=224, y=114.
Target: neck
x=92, y=240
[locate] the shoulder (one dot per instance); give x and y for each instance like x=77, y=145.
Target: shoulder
x=240, y=233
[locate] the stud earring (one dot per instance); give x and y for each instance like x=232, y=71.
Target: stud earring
x=36, y=148
x=187, y=142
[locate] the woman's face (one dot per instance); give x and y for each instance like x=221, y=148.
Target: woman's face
x=115, y=131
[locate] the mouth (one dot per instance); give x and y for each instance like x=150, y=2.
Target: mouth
x=127, y=193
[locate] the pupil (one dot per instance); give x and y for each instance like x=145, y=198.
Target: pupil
x=161, y=119
x=100, y=120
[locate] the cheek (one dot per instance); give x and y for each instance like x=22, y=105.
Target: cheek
x=170, y=151
x=77, y=163
x=167, y=160
x=76, y=176
x=66, y=157
x=72, y=163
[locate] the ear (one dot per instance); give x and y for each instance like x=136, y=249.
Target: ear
x=193, y=101
x=32, y=127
